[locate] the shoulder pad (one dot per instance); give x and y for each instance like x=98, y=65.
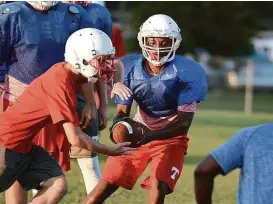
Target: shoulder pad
x=189, y=70
x=129, y=62
x=73, y=9
x=9, y=9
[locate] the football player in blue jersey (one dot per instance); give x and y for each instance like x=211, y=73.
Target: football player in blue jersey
x=250, y=150
x=167, y=89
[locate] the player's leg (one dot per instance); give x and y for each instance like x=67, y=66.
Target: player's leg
x=88, y=161
x=165, y=168
x=12, y=167
x=122, y=171
x=91, y=172
x=15, y=194
x=44, y=174
x=51, y=191
x=159, y=189
x=100, y=193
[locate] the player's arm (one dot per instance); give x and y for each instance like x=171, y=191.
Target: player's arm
x=89, y=111
x=191, y=92
x=222, y=160
x=119, y=88
x=123, y=111
x=8, y=38
x=79, y=139
x=103, y=106
x=181, y=127
x=123, y=95
x=119, y=75
x=204, y=176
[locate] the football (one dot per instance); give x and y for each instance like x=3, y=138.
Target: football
x=127, y=130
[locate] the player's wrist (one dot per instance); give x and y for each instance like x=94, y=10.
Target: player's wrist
x=104, y=103
x=109, y=150
x=116, y=119
x=103, y=149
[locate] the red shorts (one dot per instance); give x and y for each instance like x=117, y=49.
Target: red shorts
x=166, y=156
x=52, y=138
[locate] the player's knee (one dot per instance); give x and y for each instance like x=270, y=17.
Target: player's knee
x=59, y=186
x=160, y=188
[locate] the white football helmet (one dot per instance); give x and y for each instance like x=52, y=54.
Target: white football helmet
x=91, y=51
x=43, y=5
x=159, y=25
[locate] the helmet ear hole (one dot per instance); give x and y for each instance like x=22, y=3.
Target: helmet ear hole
x=84, y=62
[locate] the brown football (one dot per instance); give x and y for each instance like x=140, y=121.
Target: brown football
x=128, y=131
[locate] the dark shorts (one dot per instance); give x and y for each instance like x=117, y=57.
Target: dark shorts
x=30, y=169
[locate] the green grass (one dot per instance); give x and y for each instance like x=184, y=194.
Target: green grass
x=216, y=120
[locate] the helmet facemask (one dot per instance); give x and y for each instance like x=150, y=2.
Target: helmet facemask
x=159, y=26
x=92, y=53
x=104, y=64
x=165, y=53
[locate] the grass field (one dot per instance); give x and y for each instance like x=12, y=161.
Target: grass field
x=216, y=120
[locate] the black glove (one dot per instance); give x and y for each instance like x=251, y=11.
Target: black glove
x=144, y=140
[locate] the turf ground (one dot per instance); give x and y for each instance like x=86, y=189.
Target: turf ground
x=219, y=117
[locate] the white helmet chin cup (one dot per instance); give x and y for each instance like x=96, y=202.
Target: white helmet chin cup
x=159, y=25
x=43, y=5
x=83, y=48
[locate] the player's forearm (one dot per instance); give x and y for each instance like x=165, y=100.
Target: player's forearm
x=102, y=91
x=88, y=93
x=119, y=73
x=122, y=111
x=86, y=142
x=203, y=187
x=169, y=132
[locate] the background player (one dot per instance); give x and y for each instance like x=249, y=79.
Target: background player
x=166, y=88
x=88, y=161
x=249, y=150
x=51, y=98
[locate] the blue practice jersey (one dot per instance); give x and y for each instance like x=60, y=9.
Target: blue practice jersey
x=32, y=41
x=250, y=150
x=182, y=82
x=100, y=17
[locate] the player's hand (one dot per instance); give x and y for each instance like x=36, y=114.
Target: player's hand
x=121, y=90
x=88, y=116
x=103, y=116
x=2, y=88
x=119, y=149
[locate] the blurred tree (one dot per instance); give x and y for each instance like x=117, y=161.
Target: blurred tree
x=223, y=28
